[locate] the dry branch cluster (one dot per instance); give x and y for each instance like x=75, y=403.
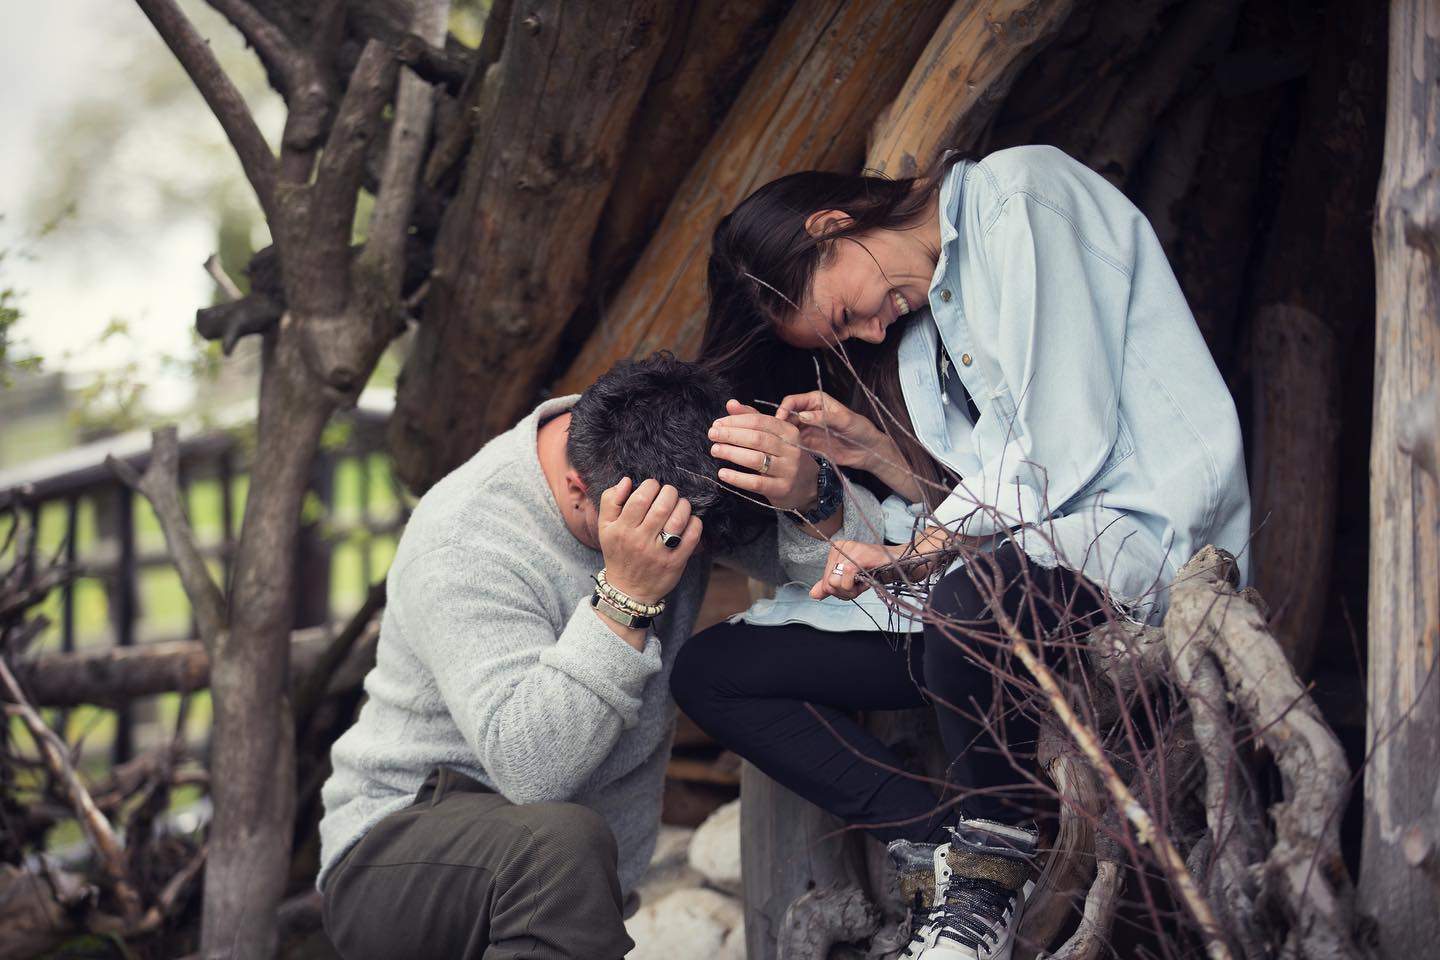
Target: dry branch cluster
x=1162, y=748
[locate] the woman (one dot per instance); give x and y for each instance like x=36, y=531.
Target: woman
x=1036, y=383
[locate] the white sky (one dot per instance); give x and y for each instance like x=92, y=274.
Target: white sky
x=53, y=54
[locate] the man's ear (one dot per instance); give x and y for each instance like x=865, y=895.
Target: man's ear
x=822, y=222
x=574, y=484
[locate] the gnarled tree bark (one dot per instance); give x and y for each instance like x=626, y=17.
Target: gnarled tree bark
x=1404, y=692
x=511, y=259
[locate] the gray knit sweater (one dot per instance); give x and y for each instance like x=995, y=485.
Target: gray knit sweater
x=492, y=662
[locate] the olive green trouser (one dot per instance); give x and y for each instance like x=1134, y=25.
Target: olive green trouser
x=462, y=872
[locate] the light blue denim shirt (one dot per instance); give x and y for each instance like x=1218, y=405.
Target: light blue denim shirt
x=1107, y=440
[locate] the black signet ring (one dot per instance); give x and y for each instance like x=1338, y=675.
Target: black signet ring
x=671, y=540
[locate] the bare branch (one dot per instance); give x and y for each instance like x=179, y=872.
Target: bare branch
x=414, y=110
x=229, y=322
x=107, y=847
x=312, y=684
x=160, y=484
x=1149, y=832
x=110, y=676
x=1088, y=940
x=1305, y=862
x=357, y=121
x=194, y=54
x=1233, y=823
x=222, y=279
x=280, y=56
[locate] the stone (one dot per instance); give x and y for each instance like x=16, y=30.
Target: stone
x=669, y=868
x=715, y=849
x=688, y=923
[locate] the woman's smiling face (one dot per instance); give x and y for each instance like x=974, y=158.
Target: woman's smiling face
x=861, y=287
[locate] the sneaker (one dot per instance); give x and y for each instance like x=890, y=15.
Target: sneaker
x=967, y=895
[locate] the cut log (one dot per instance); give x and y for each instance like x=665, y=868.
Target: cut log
x=1403, y=772
x=1308, y=315
x=511, y=256
x=711, y=52
x=831, y=69
x=960, y=80
x=1218, y=226
x=112, y=676
x=1148, y=92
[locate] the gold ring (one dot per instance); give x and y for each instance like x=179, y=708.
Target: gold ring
x=765, y=466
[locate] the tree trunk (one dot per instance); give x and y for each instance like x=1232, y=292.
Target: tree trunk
x=253, y=745
x=960, y=80
x=1307, y=318
x=511, y=256
x=711, y=52
x=831, y=68
x=1404, y=696
x=788, y=846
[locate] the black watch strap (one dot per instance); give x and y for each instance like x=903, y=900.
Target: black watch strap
x=829, y=494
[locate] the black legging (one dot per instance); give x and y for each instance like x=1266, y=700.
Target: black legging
x=752, y=688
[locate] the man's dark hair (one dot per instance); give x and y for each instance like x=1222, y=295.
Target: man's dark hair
x=651, y=419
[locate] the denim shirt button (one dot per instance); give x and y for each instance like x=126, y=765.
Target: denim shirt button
x=966, y=359
x=945, y=295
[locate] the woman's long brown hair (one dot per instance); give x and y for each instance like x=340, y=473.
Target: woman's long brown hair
x=762, y=263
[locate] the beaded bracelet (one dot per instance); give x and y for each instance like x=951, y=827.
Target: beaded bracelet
x=624, y=601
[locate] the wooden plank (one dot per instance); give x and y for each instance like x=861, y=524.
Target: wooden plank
x=1402, y=779
x=787, y=847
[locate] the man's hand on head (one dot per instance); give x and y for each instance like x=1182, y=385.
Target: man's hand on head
x=632, y=520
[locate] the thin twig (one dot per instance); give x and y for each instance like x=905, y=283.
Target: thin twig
x=160, y=484
x=229, y=107
x=98, y=830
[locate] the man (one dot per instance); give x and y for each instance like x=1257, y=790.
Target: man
x=499, y=794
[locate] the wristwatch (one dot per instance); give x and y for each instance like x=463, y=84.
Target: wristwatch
x=623, y=617
x=829, y=495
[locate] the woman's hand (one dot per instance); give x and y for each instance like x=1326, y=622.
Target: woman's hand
x=783, y=472
x=847, y=560
x=833, y=430
x=850, y=558
x=848, y=439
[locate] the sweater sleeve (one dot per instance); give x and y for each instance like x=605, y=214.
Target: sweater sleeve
x=540, y=711
x=786, y=553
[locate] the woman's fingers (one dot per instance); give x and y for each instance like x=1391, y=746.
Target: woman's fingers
x=809, y=400
x=753, y=482
x=754, y=439
x=760, y=422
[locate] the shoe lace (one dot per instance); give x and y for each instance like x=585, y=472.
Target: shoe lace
x=970, y=912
